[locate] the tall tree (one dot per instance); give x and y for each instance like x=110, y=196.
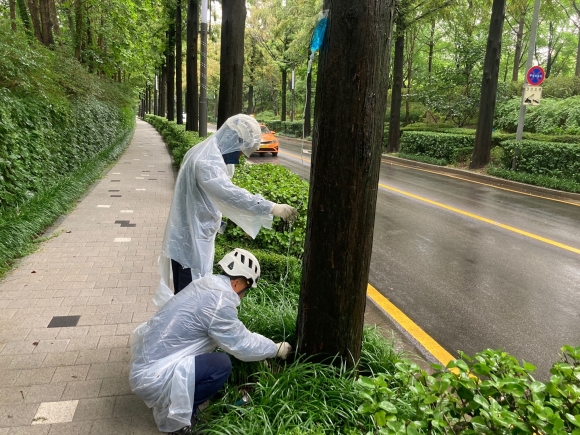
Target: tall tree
x=46, y=26
x=12, y=7
x=231, y=59
x=191, y=96
x=23, y=12
x=178, y=63
x=170, y=59
x=397, y=86
x=482, y=150
x=349, y=112
x=34, y=8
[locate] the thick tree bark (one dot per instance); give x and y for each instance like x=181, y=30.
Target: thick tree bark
x=178, y=65
x=34, y=9
x=349, y=112
x=156, y=96
x=12, y=7
x=170, y=59
x=518, y=52
x=284, y=85
x=191, y=96
x=231, y=60
x=46, y=23
x=482, y=150
x=394, y=140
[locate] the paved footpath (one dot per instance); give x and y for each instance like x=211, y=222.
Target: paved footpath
x=67, y=310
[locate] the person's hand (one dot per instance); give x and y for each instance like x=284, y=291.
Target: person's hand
x=284, y=350
x=285, y=211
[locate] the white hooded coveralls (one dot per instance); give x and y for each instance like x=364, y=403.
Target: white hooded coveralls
x=203, y=192
x=198, y=319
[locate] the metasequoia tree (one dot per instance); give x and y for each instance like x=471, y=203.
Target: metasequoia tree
x=482, y=150
x=191, y=93
x=349, y=111
x=231, y=59
x=178, y=64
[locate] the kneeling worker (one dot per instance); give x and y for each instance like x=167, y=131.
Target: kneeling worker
x=173, y=366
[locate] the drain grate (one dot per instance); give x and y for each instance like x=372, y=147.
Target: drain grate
x=63, y=321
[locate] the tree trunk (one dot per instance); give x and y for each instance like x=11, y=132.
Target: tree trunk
x=550, y=60
x=162, y=93
x=518, y=53
x=191, y=85
x=155, y=96
x=284, y=85
x=170, y=59
x=431, y=49
x=23, y=12
x=349, y=112
x=482, y=149
x=250, y=99
x=12, y=7
x=307, y=109
x=47, y=38
x=54, y=17
x=178, y=65
x=231, y=60
x=394, y=140
x=34, y=9
x=79, y=19
x=273, y=99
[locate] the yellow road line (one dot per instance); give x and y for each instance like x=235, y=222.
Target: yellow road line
x=482, y=219
x=478, y=182
x=411, y=327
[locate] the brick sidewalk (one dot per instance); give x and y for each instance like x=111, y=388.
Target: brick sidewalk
x=101, y=265
x=67, y=311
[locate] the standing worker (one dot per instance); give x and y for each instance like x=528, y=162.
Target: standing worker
x=173, y=366
x=203, y=192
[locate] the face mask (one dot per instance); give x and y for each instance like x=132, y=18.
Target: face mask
x=232, y=158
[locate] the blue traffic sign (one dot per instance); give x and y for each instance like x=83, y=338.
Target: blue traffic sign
x=535, y=75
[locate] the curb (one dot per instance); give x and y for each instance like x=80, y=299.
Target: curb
x=488, y=179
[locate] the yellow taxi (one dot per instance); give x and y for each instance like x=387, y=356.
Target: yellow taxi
x=269, y=143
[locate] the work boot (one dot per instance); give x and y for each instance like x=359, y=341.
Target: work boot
x=183, y=431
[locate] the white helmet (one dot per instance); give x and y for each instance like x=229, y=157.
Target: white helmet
x=240, y=262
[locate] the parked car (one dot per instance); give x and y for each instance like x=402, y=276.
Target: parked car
x=269, y=143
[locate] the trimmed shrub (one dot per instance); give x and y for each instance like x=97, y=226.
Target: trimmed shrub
x=285, y=128
x=437, y=145
x=177, y=138
x=550, y=159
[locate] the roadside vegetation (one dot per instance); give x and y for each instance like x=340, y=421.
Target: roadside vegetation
x=490, y=392
x=59, y=128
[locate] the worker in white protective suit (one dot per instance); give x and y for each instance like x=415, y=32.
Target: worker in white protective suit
x=203, y=192
x=173, y=366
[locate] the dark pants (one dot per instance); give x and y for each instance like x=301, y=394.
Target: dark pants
x=211, y=373
x=181, y=276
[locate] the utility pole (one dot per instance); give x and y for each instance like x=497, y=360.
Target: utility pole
x=531, y=48
x=203, y=73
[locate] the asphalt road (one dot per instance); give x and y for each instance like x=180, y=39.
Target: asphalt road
x=441, y=256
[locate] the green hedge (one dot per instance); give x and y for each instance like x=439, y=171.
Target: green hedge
x=286, y=128
x=436, y=145
x=543, y=158
x=54, y=116
x=177, y=138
